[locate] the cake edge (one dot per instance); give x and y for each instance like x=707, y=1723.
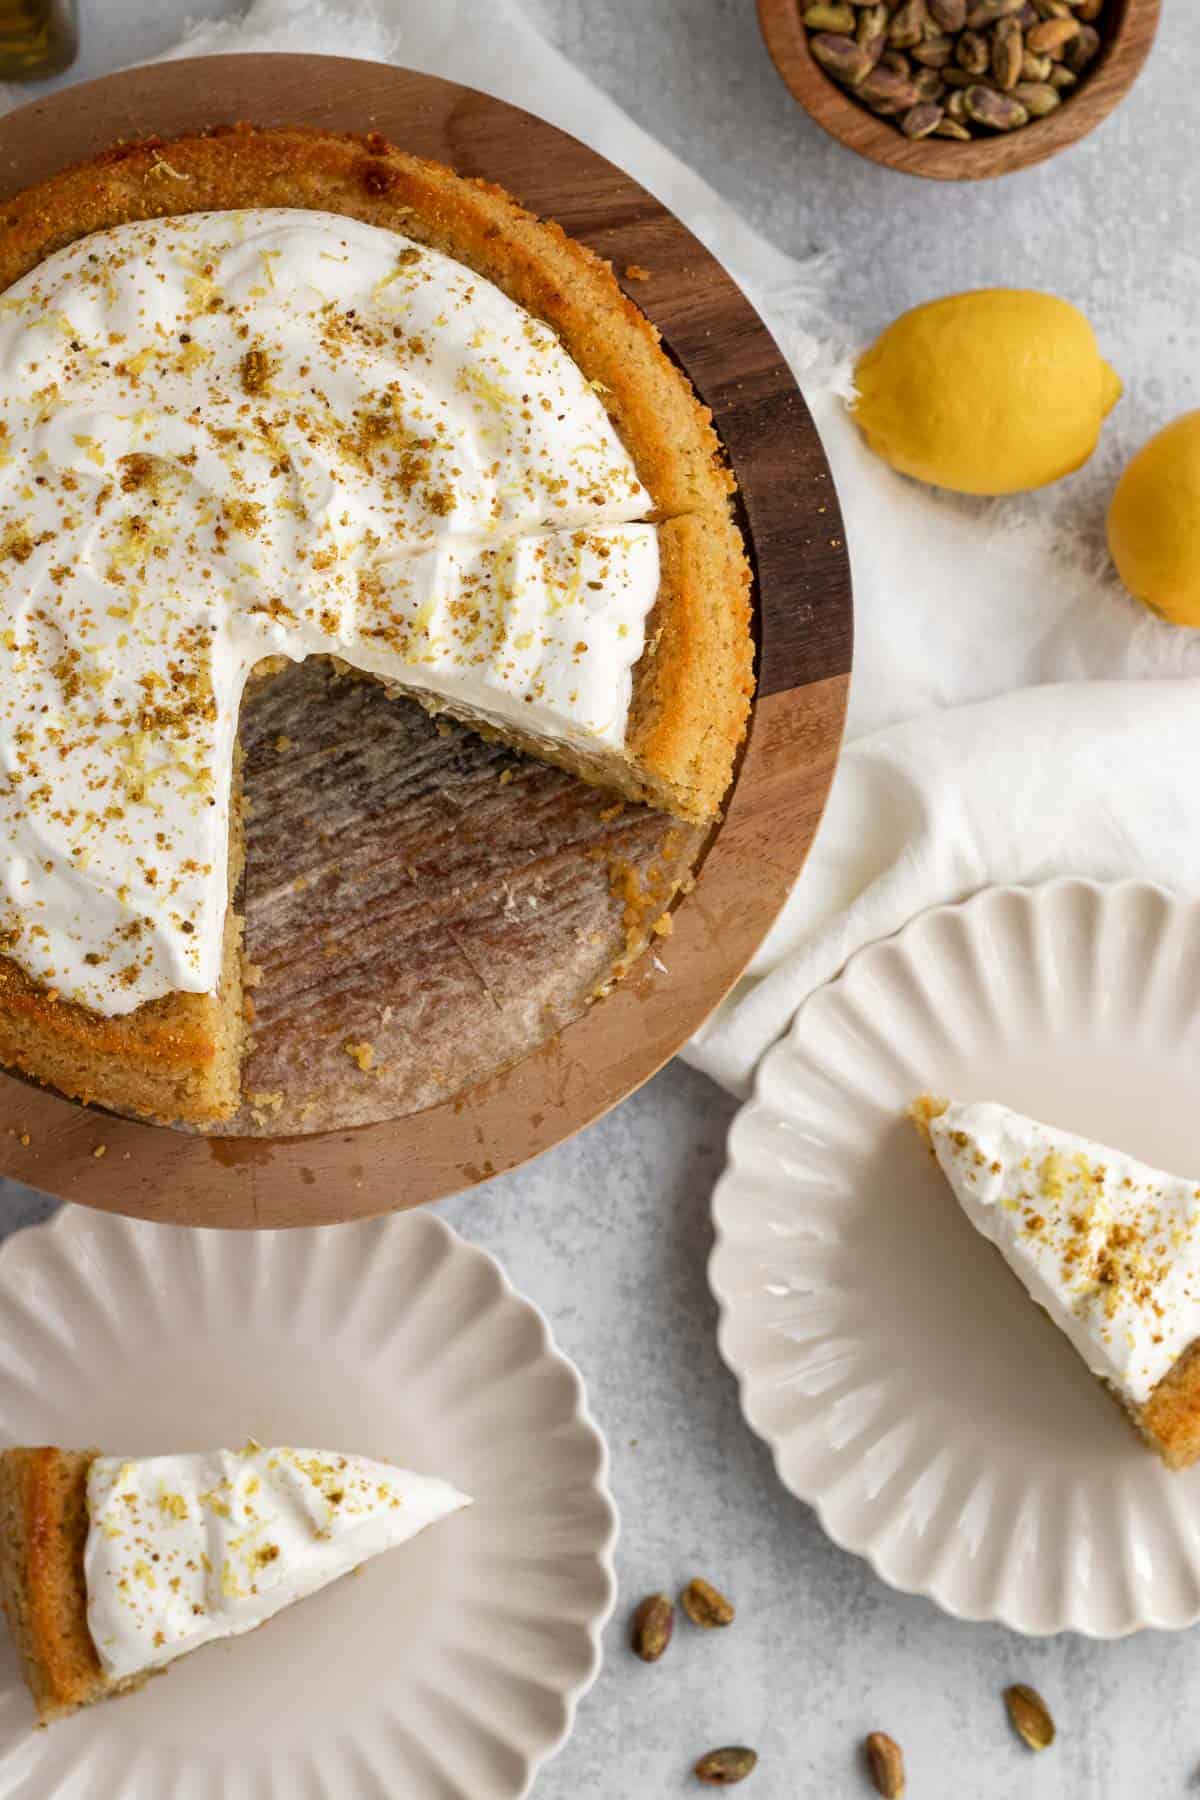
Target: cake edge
x=43, y=1535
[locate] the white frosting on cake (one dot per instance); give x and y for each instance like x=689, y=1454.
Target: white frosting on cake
x=228, y=436
x=185, y=1549
x=1110, y=1247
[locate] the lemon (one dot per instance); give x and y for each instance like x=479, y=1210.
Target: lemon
x=1154, y=523
x=986, y=393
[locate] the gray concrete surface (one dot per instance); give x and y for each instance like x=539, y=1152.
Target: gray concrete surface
x=610, y=1233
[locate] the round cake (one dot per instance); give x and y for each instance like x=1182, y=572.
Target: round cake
x=267, y=396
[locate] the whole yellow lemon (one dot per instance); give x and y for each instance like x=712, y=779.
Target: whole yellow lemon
x=1154, y=523
x=987, y=393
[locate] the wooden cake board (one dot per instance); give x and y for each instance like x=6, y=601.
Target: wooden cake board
x=432, y=914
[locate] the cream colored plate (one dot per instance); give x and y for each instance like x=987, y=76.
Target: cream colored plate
x=446, y=1670
x=937, y=1421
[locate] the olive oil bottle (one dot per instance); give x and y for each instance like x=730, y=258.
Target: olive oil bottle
x=37, y=38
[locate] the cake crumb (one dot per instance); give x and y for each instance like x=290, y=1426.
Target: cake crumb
x=635, y=272
x=252, y=974
x=273, y=1099
x=363, y=1055
x=664, y=925
x=264, y=1105
x=100, y=1150
x=283, y=744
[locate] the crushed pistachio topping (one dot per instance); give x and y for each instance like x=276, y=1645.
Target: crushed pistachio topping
x=1109, y=1245
x=182, y=1549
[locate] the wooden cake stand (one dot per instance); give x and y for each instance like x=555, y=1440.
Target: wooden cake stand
x=432, y=914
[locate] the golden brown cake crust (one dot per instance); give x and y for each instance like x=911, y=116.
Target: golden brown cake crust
x=1170, y=1419
x=176, y=1058
x=43, y=1505
x=173, y=1058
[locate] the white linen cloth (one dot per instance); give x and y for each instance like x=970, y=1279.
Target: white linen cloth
x=1006, y=723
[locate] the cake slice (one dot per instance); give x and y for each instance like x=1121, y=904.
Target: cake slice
x=1107, y=1245
x=110, y=1568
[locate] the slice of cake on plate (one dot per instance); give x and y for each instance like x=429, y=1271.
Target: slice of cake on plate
x=1107, y=1245
x=110, y=1568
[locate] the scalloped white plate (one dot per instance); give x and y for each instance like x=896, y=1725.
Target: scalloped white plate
x=937, y=1421
x=446, y=1670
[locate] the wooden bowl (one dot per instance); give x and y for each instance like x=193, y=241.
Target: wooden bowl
x=346, y=1166
x=1127, y=28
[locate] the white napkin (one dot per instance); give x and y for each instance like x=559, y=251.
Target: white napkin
x=988, y=740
